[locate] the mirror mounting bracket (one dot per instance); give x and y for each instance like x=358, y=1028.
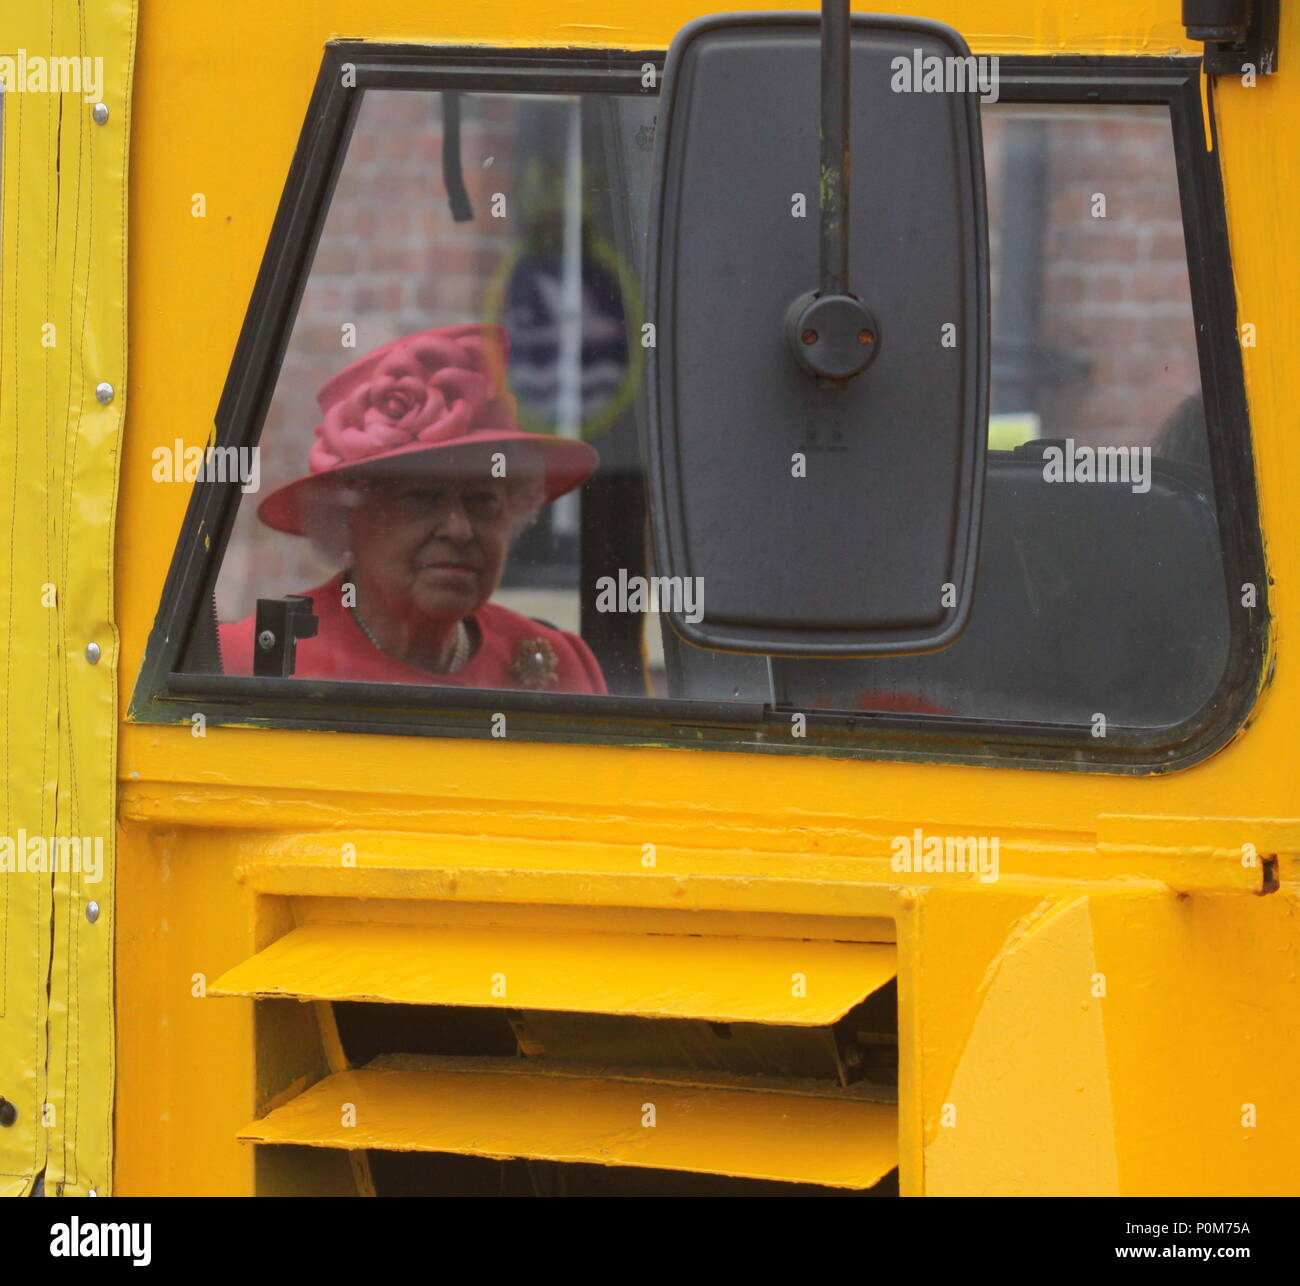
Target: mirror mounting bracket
x=832, y=336
x=830, y=331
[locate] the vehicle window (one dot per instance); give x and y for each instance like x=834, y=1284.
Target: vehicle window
x=451, y=463
x=465, y=357
x=1100, y=586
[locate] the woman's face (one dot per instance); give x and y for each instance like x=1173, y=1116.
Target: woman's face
x=435, y=547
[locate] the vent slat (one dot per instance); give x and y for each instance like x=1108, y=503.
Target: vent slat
x=790, y=982
x=522, y=1111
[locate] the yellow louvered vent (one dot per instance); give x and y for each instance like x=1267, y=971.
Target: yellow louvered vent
x=770, y=1060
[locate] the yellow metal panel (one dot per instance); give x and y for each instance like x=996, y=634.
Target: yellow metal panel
x=222, y=253
x=1202, y=1017
x=805, y=984
x=948, y=948
x=591, y=919
x=186, y=1072
x=529, y=854
x=1029, y=1110
x=64, y=331
x=1140, y=1042
x=600, y=1120
x=745, y=836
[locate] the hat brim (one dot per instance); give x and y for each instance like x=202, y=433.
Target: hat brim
x=566, y=463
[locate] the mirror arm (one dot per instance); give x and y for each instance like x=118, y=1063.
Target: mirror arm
x=833, y=191
x=831, y=333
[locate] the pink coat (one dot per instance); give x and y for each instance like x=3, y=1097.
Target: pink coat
x=515, y=653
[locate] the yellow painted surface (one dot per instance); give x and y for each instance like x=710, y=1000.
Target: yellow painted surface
x=185, y=1065
x=1139, y=879
x=337, y=1061
x=1202, y=1021
x=758, y=980
x=1116, y=1042
x=30, y=724
x=1024, y=1114
x=62, y=330
x=595, y=1120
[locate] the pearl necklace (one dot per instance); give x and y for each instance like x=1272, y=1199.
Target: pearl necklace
x=458, y=657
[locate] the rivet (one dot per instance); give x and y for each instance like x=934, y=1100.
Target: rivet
x=93, y=653
x=99, y=113
x=92, y=911
x=266, y=640
x=104, y=392
x=8, y=1112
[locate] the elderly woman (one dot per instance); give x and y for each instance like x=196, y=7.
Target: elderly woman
x=419, y=478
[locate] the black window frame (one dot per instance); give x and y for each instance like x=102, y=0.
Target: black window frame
x=166, y=695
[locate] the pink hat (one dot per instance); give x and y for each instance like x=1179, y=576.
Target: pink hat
x=419, y=399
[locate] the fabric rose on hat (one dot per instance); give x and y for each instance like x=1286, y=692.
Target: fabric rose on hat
x=425, y=391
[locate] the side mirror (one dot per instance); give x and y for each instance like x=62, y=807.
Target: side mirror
x=818, y=393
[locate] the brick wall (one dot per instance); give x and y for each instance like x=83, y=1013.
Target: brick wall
x=1115, y=289
x=391, y=260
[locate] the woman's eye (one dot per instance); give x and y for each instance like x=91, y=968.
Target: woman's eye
x=419, y=499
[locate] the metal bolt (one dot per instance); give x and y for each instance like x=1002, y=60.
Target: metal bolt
x=809, y=336
x=104, y=392
x=99, y=113
x=92, y=911
x=92, y=653
x=8, y=1112
x=266, y=640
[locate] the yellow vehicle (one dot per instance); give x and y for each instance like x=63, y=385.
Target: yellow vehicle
x=944, y=844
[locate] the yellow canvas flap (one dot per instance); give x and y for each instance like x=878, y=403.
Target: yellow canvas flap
x=63, y=321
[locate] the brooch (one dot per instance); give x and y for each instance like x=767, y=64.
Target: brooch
x=535, y=664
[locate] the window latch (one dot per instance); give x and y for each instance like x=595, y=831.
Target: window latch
x=281, y=622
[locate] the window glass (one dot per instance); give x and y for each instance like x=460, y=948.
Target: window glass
x=451, y=464
x=466, y=354
x=1100, y=588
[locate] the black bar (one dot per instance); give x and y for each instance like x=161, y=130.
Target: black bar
x=452, y=173
x=267, y=689
x=834, y=188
